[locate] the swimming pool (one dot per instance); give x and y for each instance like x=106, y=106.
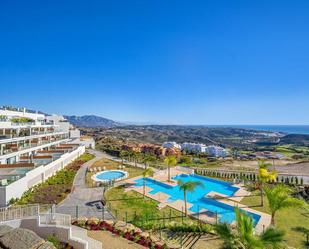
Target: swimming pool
x=197, y=198
x=110, y=175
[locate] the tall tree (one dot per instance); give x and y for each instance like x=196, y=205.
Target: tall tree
x=147, y=172
x=265, y=176
x=136, y=155
x=189, y=186
x=244, y=237
x=147, y=159
x=170, y=161
x=279, y=197
x=123, y=154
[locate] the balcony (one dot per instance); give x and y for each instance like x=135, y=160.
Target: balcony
x=25, y=148
x=7, y=124
x=11, y=139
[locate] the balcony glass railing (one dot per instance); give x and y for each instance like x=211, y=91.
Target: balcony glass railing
x=27, y=135
x=22, y=147
x=29, y=123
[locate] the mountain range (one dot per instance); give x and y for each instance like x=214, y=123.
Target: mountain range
x=92, y=121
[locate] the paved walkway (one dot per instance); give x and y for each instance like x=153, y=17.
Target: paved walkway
x=84, y=201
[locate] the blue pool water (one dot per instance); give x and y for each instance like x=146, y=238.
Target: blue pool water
x=110, y=175
x=197, y=198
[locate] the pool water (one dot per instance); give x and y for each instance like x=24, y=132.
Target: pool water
x=110, y=175
x=197, y=198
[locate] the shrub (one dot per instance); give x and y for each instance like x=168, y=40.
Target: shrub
x=54, y=240
x=201, y=228
x=56, y=187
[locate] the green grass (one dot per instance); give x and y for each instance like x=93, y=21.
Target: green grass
x=86, y=157
x=132, y=204
x=287, y=220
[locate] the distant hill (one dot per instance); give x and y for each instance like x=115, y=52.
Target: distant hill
x=296, y=139
x=157, y=134
x=91, y=121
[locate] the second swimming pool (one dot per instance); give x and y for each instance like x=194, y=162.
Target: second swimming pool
x=197, y=198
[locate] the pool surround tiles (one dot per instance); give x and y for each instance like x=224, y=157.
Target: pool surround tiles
x=110, y=175
x=202, y=200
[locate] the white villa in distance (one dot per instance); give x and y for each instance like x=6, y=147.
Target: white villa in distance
x=33, y=146
x=171, y=145
x=212, y=150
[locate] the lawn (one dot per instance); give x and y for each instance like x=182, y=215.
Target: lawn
x=287, y=220
x=109, y=165
x=133, y=207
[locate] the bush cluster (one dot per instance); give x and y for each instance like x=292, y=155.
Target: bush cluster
x=56, y=187
x=132, y=233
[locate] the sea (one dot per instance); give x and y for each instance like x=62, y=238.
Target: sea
x=287, y=129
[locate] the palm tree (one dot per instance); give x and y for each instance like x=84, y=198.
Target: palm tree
x=148, y=159
x=123, y=154
x=279, y=198
x=244, y=238
x=189, y=186
x=170, y=161
x=136, y=156
x=265, y=176
x=147, y=172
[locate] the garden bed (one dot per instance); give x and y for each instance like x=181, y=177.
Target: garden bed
x=55, y=188
x=121, y=229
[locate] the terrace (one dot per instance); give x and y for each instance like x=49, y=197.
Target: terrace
x=27, y=144
x=12, y=172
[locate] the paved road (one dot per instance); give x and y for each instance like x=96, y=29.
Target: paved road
x=78, y=202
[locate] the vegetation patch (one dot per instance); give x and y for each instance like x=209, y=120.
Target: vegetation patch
x=123, y=230
x=55, y=188
x=287, y=220
x=141, y=211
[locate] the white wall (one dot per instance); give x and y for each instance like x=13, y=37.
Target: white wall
x=22, y=114
x=35, y=176
x=75, y=133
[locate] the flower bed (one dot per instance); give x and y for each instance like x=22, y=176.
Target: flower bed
x=56, y=187
x=121, y=229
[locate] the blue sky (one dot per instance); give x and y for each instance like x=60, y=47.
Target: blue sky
x=178, y=62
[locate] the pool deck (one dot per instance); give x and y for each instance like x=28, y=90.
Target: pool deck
x=203, y=215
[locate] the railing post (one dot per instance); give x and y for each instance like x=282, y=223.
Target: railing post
x=216, y=217
x=198, y=213
x=76, y=212
x=182, y=214
x=163, y=219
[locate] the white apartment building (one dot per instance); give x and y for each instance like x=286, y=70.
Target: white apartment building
x=212, y=150
x=171, y=145
x=216, y=151
x=32, y=148
x=193, y=147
